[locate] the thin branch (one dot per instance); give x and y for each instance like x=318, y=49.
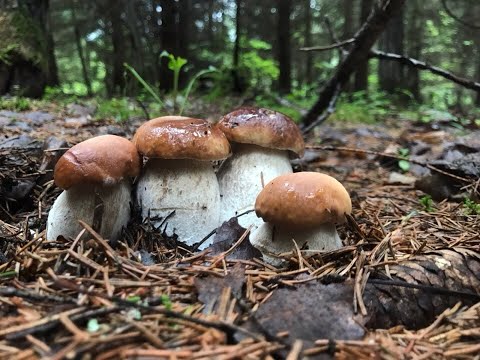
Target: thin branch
x=329, y=47
x=469, y=84
x=329, y=111
x=456, y=18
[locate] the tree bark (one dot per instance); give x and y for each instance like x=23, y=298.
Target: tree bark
x=52, y=71
x=415, y=45
x=78, y=42
x=237, y=84
x=308, y=42
x=115, y=13
x=364, y=40
x=169, y=41
x=283, y=37
x=391, y=74
x=348, y=32
x=361, y=75
x=138, y=58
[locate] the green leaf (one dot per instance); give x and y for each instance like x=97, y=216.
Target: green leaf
x=93, y=325
x=144, y=84
x=211, y=69
x=404, y=165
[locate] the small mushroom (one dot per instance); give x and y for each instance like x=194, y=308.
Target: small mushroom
x=303, y=207
x=262, y=141
x=95, y=175
x=179, y=188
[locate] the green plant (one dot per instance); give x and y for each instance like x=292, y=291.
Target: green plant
x=471, y=207
x=175, y=64
x=120, y=108
x=15, y=103
x=166, y=301
x=427, y=203
x=404, y=164
x=259, y=71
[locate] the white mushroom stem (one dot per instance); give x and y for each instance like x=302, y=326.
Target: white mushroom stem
x=188, y=187
x=272, y=240
x=243, y=176
x=106, y=208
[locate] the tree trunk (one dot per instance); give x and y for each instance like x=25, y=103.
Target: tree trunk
x=52, y=71
x=169, y=41
x=415, y=45
x=348, y=31
x=137, y=58
x=365, y=38
x=308, y=42
x=283, y=38
x=477, y=74
x=237, y=83
x=361, y=75
x=390, y=73
x=78, y=42
x=115, y=14
x=26, y=74
x=210, y=34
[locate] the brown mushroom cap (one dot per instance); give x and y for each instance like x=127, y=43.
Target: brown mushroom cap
x=105, y=159
x=303, y=200
x=178, y=137
x=263, y=127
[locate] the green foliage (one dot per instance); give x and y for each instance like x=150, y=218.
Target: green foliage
x=121, y=109
x=404, y=164
x=362, y=108
x=93, y=326
x=166, y=301
x=175, y=64
x=15, y=103
x=21, y=36
x=259, y=71
x=471, y=207
x=427, y=203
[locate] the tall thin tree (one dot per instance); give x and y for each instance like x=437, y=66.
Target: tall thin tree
x=283, y=46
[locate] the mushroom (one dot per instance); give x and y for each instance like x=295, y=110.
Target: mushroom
x=95, y=175
x=262, y=141
x=179, y=187
x=303, y=207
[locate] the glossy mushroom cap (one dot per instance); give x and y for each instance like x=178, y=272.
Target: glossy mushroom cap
x=178, y=137
x=303, y=200
x=263, y=127
x=104, y=160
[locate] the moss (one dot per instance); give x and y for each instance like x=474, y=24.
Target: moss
x=21, y=37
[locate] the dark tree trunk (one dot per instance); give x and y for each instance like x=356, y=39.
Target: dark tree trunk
x=365, y=38
x=78, y=42
x=348, y=31
x=391, y=74
x=28, y=76
x=308, y=42
x=237, y=83
x=52, y=71
x=477, y=74
x=169, y=41
x=137, y=58
x=415, y=45
x=115, y=13
x=361, y=75
x=210, y=34
x=283, y=43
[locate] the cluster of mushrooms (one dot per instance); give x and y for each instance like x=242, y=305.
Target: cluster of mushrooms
x=179, y=190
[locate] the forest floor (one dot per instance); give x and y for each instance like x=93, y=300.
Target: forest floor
x=149, y=298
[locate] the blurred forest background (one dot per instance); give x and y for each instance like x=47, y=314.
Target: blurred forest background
x=111, y=50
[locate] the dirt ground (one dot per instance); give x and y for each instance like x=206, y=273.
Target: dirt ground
x=150, y=297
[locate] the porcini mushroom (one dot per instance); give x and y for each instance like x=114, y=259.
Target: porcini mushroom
x=262, y=141
x=179, y=186
x=95, y=175
x=304, y=207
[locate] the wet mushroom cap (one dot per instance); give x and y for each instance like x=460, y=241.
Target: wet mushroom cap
x=263, y=127
x=303, y=200
x=103, y=160
x=177, y=137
